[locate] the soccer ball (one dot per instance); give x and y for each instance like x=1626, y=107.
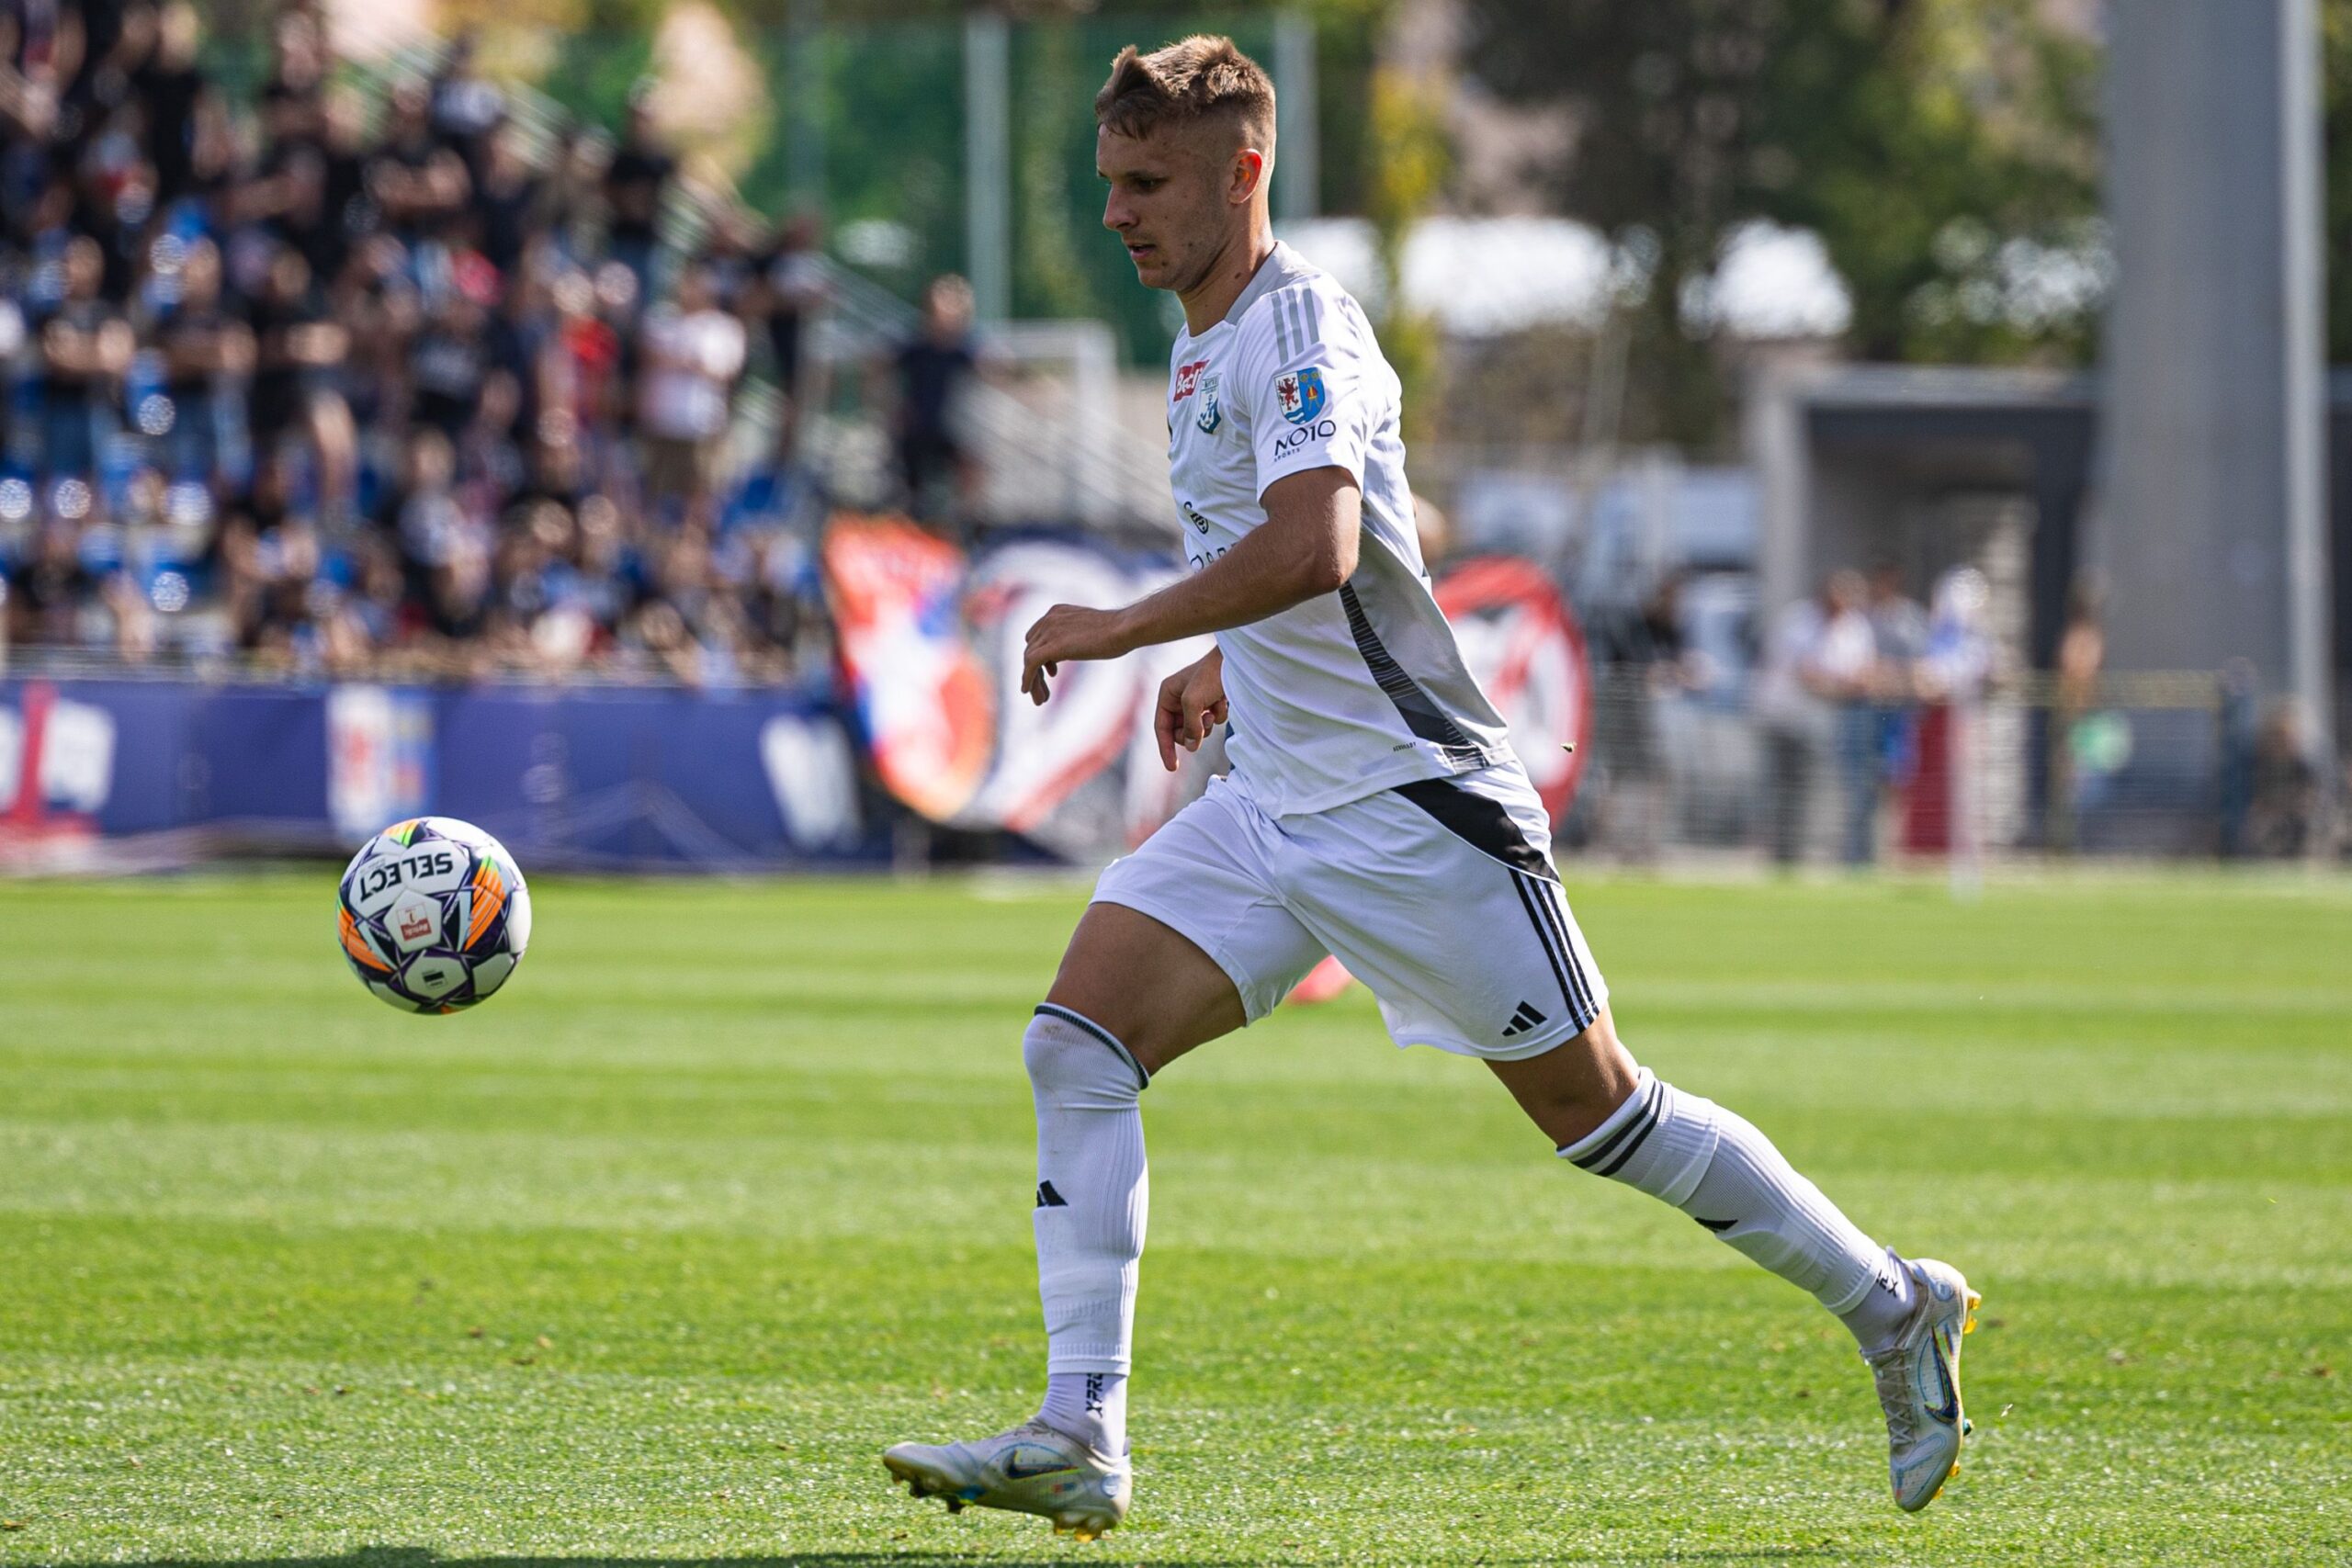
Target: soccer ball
x=433, y=914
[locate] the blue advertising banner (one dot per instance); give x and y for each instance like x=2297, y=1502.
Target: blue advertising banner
x=586, y=777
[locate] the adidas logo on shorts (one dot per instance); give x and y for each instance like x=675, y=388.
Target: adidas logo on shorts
x=1525, y=1019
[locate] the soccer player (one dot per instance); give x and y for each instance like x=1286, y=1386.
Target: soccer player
x=1374, y=811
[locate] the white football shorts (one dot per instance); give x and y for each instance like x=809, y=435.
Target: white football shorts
x=1439, y=895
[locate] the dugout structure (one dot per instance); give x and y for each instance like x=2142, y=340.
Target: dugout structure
x=1933, y=467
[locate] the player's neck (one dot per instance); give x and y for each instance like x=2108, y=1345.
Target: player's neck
x=1206, y=305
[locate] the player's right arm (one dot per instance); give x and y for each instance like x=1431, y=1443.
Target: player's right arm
x=1192, y=702
x=1305, y=548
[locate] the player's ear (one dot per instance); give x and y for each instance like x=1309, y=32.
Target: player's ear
x=1248, y=172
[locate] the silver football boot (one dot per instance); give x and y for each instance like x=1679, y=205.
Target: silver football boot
x=1032, y=1469
x=1918, y=1384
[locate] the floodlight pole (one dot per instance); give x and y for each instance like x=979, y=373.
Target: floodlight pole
x=804, y=69
x=1297, y=175
x=988, y=163
x=2310, y=661
x=2212, y=531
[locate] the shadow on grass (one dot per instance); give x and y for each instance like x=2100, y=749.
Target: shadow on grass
x=423, y=1556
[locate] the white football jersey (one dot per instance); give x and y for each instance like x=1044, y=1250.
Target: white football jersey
x=1353, y=692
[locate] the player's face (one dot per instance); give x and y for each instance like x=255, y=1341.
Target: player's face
x=1168, y=202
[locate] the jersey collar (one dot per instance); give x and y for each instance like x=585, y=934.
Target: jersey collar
x=1281, y=265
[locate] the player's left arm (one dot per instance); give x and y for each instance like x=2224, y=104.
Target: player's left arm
x=1305, y=548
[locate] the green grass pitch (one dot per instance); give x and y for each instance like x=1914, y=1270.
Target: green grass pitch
x=645, y=1261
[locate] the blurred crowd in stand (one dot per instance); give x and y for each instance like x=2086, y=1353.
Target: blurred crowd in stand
x=1865, y=679
x=383, y=377
x=345, y=383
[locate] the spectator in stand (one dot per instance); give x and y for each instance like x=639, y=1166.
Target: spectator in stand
x=2285, y=807
x=208, y=355
x=85, y=348
x=49, y=592
x=241, y=324
x=691, y=353
x=935, y=369
x=634, y=182
x=1817, y=671
x=418, y=181
x=172, y=93
x=508, y=202
x=1881, y=748
x=791, y=291
x=465, y=108
x=299, y=348
x=447, y=360
x=2081, y=659
x=1643, y=657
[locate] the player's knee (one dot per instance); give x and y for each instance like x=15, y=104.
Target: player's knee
x=1076, y=1063
x=1572, y=1088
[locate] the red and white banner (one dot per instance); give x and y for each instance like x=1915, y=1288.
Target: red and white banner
x=932, y=642
x=923, y=700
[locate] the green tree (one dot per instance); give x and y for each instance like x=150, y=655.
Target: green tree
x=1943, y=150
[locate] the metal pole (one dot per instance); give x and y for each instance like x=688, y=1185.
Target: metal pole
x=804, y=42
x=2304, y=368
x=1296, y=173
x=988, y=163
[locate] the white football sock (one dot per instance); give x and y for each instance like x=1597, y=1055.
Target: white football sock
x=1716, y=1167
x=1091, y=1406
x=1092, y=1189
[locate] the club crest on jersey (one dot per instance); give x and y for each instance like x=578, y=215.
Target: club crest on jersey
x=1187, y=377
x=1212, y=412
x=1299, y=394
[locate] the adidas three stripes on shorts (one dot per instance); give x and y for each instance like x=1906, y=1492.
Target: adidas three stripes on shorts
x=1439, y=895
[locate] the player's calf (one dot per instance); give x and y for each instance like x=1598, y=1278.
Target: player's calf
x=1716, y=1167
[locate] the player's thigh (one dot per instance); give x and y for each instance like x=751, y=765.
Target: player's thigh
x=1186, y=939
x=1146, y=983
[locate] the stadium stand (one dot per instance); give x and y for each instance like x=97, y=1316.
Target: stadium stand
x=431, y=399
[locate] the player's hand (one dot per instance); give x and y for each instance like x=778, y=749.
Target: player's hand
x=1192, y=702
x=1070, y=631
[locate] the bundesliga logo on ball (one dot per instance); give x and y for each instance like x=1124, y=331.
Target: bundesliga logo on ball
x=433, y=914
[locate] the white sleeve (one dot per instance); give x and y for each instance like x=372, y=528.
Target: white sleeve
x=1312, y=391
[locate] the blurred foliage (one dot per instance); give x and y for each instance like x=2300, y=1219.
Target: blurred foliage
x=1945, y=150
x=599, y=63
x=2335, y=82
x=1407, y=159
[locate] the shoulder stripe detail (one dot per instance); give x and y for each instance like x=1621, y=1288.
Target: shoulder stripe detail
x=1079, y=1020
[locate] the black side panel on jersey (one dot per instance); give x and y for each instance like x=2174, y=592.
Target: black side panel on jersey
x=1421, y=715
x=1479, y=822
x=1385, y=592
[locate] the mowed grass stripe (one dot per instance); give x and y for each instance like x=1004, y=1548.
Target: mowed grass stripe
x=732, y=1184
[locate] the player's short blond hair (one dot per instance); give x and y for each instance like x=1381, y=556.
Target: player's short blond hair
x=1195, y=80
